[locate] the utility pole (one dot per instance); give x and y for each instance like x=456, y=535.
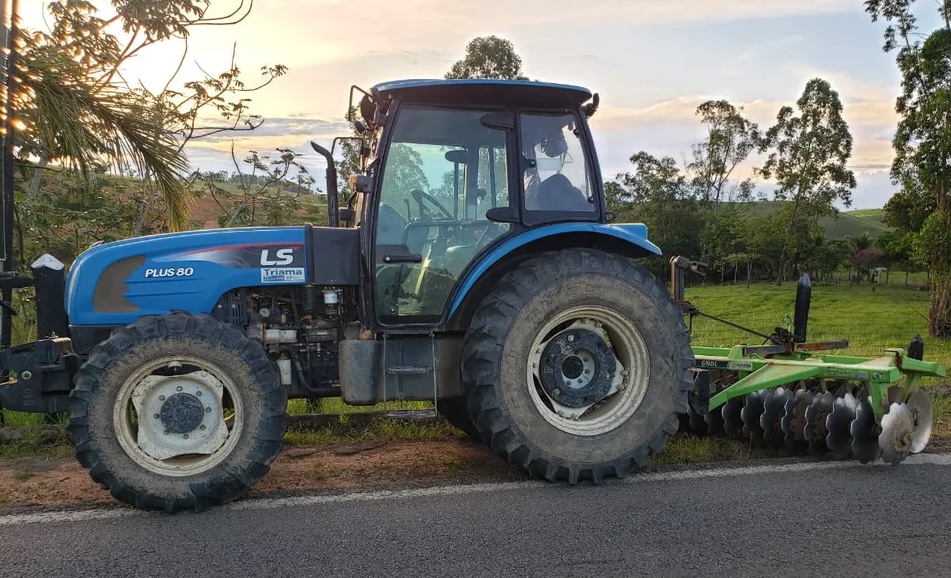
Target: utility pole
x=6, y=321
x=4, y=45
x=9, y=77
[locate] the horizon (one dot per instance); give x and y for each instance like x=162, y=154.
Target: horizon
x=758, y=57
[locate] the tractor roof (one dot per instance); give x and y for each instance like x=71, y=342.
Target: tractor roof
x=483, y=91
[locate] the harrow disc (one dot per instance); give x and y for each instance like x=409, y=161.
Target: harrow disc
x=815, y=431
x=920, y=405
x=695, y=421
x=753, y=408
x=794, y=420
x=898, y=431
x=732, y=425
x=865, y=433
x=837, y=424
x=714, y=421
x=774, y=409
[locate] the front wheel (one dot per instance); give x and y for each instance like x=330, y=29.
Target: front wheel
x=576, y=366
x=177, y=412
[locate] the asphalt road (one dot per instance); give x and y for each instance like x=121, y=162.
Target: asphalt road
x=812, y=520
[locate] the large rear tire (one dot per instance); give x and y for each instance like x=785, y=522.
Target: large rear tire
x=455, y=411
x=576, y=366
x=150, y=413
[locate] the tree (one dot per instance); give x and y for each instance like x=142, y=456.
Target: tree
x=404, y=171
x=922, y=141
x=268, y=195
x=658, y=195
x=730, y=140
x=79, y=111
x=808, y=156
x=488, y=57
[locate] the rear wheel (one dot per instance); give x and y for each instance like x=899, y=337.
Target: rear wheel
x=177, y=412
x=576, y=366
x=454, y=411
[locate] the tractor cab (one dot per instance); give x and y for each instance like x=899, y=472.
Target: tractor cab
x=453, y=168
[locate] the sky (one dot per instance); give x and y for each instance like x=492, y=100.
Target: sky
x=652, y=62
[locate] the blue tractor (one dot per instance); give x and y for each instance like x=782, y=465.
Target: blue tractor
x=473, y=266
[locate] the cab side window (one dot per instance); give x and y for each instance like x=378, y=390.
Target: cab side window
x=556, y=176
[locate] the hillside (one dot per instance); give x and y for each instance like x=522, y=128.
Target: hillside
x=870, y=215
x=850, y=225
x=846, y=224
x=205, y=209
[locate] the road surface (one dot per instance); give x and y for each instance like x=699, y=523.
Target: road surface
x=798, y=519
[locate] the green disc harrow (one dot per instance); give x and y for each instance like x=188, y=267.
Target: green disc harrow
x=785, y=394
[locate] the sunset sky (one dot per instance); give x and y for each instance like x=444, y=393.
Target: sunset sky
x=652, y=62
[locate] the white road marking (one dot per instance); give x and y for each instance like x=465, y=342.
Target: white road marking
x=273, y=503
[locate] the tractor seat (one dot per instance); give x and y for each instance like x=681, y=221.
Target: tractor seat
x=556, y=193
x=457, y=257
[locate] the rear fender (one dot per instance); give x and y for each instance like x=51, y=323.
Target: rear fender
x=629, y=239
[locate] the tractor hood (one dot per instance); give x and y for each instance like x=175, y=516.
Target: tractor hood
x=116, y=282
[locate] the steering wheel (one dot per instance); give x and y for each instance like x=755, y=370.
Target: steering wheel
x=424, y=213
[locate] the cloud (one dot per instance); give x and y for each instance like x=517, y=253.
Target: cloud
x=867, y=108
x=274, y=129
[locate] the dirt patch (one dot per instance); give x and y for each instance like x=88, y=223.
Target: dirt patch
x=377, y=464
x=30, y=484
x=38, y=484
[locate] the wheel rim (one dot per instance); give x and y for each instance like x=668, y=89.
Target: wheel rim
x=178, y=416
x=600, y=358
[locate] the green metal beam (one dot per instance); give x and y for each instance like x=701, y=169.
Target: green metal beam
x=759, y=373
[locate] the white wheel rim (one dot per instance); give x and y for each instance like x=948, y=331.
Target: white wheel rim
x=176, y=425
x=631, y=380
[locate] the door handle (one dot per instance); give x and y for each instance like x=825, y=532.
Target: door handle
x=403, y=258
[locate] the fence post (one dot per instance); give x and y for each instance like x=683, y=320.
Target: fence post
x=801, y=314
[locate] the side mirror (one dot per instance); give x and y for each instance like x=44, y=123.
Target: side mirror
x=592, y=107
x=360, y=184
x=345, y=215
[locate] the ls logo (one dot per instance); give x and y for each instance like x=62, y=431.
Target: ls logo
x=281, y=257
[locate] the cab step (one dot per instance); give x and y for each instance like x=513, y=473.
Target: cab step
x=409, y=370
x=410, y=366
x=412, y=414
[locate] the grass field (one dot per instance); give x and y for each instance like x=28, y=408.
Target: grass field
x=871, y=215
x=871, y=319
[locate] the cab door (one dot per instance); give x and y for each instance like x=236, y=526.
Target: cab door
x=443, y=170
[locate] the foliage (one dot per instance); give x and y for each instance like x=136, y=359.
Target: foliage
x=922, y=141
x=488, y=57
x=265, y=196
x=404, y=170
x=808, y=154
x=730, y=140
x=78, y=110
x=707, y=210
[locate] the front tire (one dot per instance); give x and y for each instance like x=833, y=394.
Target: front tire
x=177, y=412
x=576, y=366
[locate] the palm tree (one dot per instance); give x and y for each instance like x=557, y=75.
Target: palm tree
x=66, y=120
x=64, y=114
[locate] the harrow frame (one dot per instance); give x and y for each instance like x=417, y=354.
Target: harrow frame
x=786, y=392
